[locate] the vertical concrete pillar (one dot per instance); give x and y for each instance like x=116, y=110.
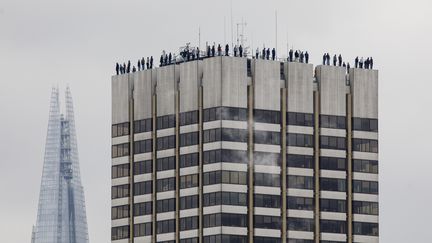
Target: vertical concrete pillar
x=154, y=143
x=177, y=162
x=131, y=161
x=200, y=163
x=284, y=164
x=349, y=170
x=316, y=166
x=251, y=164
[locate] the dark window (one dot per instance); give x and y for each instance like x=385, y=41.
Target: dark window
x=144, y=125
x=120, y=150
x=267, y=116
x=266, y=158
x=165, y=226
x=365, y=166
x=333, y=226
x=337, y=122
x=282, y=71
x=225, y=155
x=189, y=202
x=225, y=134
x=188, y=139
x=369, y=187
x=267, y=201
x=266, y=137
x=141, y=188
x=305, y=241
x=188, y=240
x=164, y=122
x=120, y=212
x=300, y=182
x=333, y=205
x=120, y=191
x=187, y=160
x=300, y=119
x=261, y=239
x=143, y=208
x=300, y=203
x=225, y=219
x=300, y=161
x=361, y=207
x=361, y=228
x=143, y=146
x=142, y=229
x=225, y=113
x=118, y=171
x=118, y=233
x=189, y=223
x=225, y=177
x=120, y=129
x=365, y=145
x=249, y=67
x=143, y=167
x=187, y=118
x=333, y=184
x=225, y=198
x=167, y=184
x=267, y=222
x=332, y=163
x=165, y=205
x=300, y=224
x=225, y=239
x=167, y=142
x=365, y=124
x=188, y=181
x=300, y=140
x=264, y=179
x=167, y=163
x=329, y=142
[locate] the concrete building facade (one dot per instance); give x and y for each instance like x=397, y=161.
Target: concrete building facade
x=230, y=149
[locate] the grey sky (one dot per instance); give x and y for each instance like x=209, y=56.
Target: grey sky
x=47, y=42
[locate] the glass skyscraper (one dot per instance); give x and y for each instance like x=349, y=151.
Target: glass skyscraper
x=61, y=210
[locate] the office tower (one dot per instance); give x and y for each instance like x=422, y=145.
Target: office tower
x=61, y=210
x=229, y=149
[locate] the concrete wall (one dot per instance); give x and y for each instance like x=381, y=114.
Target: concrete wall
x=299, y=82
x=120, y=98
x=364, y=89
x=142, y=94
x=190, y=76
x=267, y=85
x=212, y=85
x=332, y=87
x=165, y=89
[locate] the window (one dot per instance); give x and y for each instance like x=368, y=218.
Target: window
x=333, y=205
x=143, y=208
x=225, y=219
x=187, y=160
x=300, y=119
x=249, y=67
x=267, y=222
x=300, y=224
x=189, y=223
x=167, y=184
x=300, y=140
x=260, y=239
x=118, y=171
x=167, y=142
x=225, y=155
x=267, y=201
x=267, y=116
x=163, y=122
x=225, y=113
x=120, y=129
x=369, y=187
x=120, y=191
x=333, y=226
x=362, y=228
x=141, y=188
x=143, y=146
x=189, y=240
x=365, y=124
x=165, y=226
x=266, y=137
x=336, y=122
x=187, y=118
x=120, y=150
x=225, y=134
x=142, y=229
x=188, y=181
x=189, y=202
x=300, y=161
x=304, y=241
x=143, y=167
x=121, y=232
x=166, y=205
x=365, y=166
x=300, y=203
x=188, y=139
x=300, y=182
x=365, y=145
x=361, y=207
x=120, y=212
x=266, y=158
x=225, y=239
x=144, y=125
x=264, y=179
x=225, y=198
x=332, y=163
x=226, y=177
x=167, y=163
x=282, y=71
x=328, y=142
x=333, y=184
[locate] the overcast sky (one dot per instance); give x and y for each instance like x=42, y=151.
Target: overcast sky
x=46, y=42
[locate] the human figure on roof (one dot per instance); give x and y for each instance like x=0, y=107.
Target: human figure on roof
x=273, y=54
x=117, y=68
x=307, y=57
x=226, y=50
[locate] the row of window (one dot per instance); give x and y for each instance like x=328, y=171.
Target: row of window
x=188, y=139
x=143, y=208
x=144, y=125
x=188, y=202
x=329, y=142
x=188, y=118
x=336, y=122
x=225, y=155
x=118, y=171
x=362, y=207
x=143, y=167
x=300, y=182
x=225, y=239
x=120, y=212
x=365, y=124
x=300, y=119
x=225, y=219
x=225, y=198
x=225, y=134
x=265, y=179
x=120, y=129
x=225, y=113
x=165, y=226
x=142, y=229
x=300, y=203
x=187, y=160
x=267, y=116
x=363, y=228
x=333, y=205
x=167, y=163
x=166, y=205
x=144, y=187
x=189, y=223
x=226, y=177
x=267, y=222
x=300, y=140
x=333, y=184
x=365, y=145
x=120, y=150
x=167, y=142
x=266, y=158
x=266, y=137
x=300, y=161
x=365, y=166
x=369, y=187
x=267, y=201
x=167, y=121
x=143, y=146
x=332, y=163
x=188, y=181
x=167, y=184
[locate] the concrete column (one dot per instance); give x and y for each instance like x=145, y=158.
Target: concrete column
x=349, y=170
x=317, y=167
x=251, y=164
x=154, y=172
x=177, y=167
x=284, y=164
x=200, y=164
x=131, y=161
